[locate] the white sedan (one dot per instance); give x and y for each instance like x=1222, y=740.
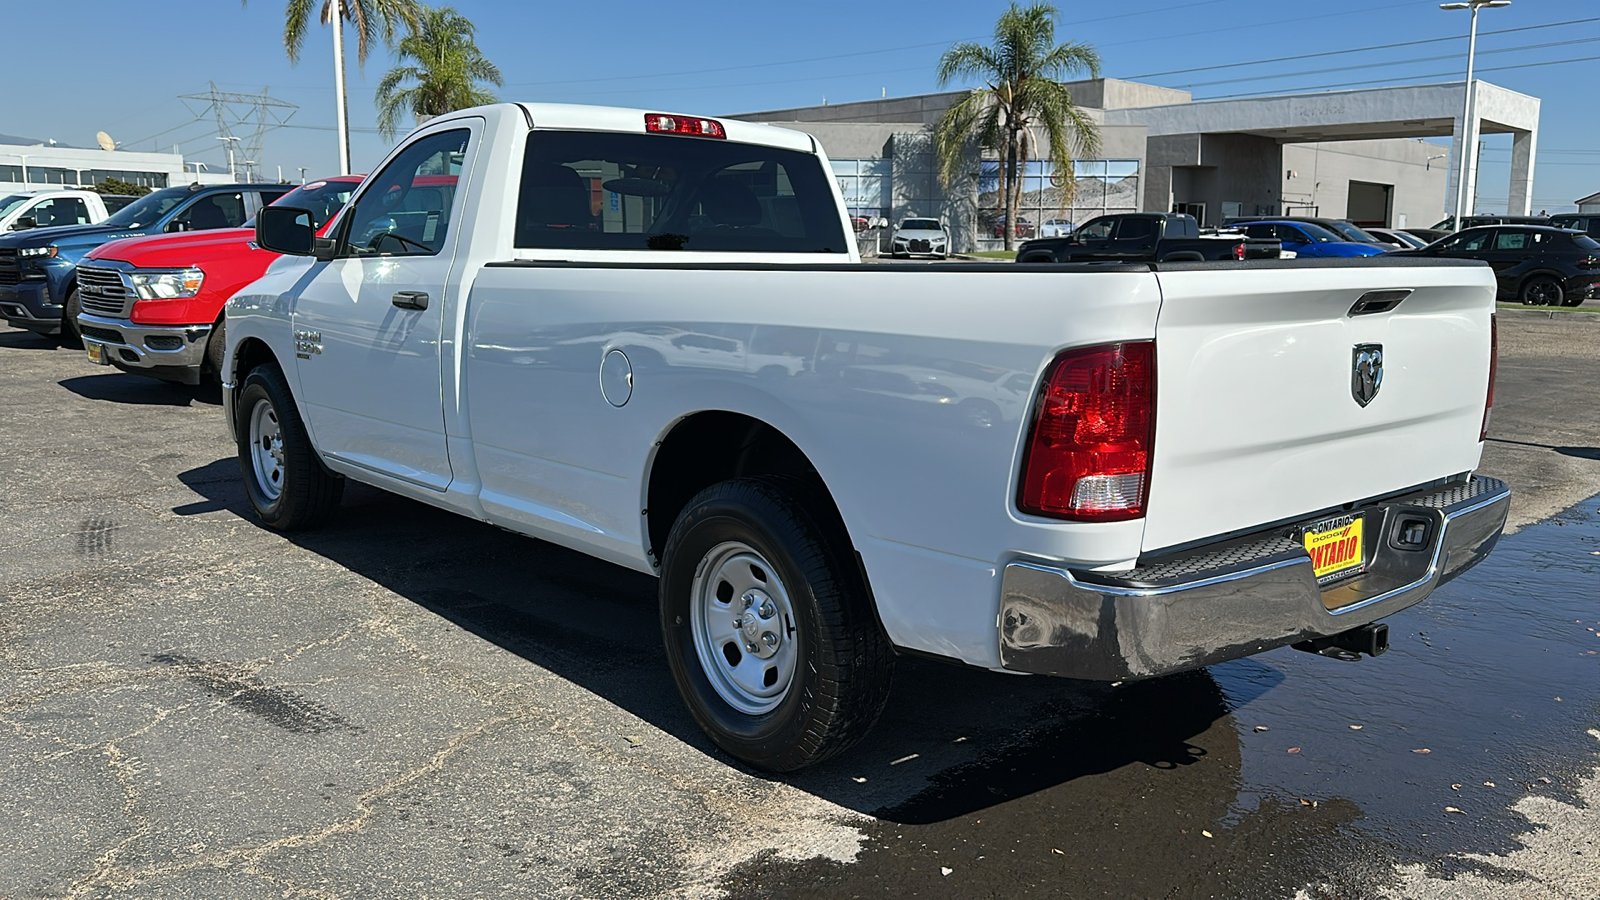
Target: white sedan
x=921, y=236
x=1055, y=228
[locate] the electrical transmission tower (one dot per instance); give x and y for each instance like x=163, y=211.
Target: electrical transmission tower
x=255, y=113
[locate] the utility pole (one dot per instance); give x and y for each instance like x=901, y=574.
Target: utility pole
x=229, y=142
x=302, y=174
x=336, y=18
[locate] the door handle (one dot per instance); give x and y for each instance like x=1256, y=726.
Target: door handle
x=410, y=299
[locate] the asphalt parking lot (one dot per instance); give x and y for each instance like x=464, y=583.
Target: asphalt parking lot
x=409, y=704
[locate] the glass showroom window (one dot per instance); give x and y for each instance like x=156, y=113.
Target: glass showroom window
x=864, y=185
x=1100, y=186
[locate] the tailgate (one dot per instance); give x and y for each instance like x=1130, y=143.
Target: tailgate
x=1257, y=419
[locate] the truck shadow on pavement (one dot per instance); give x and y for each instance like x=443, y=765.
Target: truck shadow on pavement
x=19, y=339
x=120, y=387
x=1579, y=452
x=954, y=741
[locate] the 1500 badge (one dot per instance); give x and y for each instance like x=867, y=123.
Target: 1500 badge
x=307, y=343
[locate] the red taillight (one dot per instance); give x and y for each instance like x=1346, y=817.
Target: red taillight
x=1088, y=452
x=1494, y=364
x=1238, y=250
x=660, y=123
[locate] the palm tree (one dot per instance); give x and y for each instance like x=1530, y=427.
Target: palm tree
x=372, y=19
x=1022, y=72
x=447, y=70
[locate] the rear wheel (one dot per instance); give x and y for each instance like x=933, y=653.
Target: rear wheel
x=70, y=335
x=286, y=482
x=1542, y=290
x=768, y=624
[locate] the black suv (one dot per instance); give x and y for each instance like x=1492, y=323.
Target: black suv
x=1537, y=265
x=1588, y=223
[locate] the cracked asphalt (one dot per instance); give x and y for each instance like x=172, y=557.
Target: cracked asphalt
x=410, y=704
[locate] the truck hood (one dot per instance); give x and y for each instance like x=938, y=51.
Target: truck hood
x=66, y=236
x=178, y=250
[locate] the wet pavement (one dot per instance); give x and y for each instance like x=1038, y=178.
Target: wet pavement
x=410, y=704
x=1254, y=777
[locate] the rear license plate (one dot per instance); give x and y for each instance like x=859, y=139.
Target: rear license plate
x=96, y=352
x=1337, y=547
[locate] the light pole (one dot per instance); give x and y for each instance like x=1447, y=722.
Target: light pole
x=336, y=18
x=1466, y=104
x=229, y=142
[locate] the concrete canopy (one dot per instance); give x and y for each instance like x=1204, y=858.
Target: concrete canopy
x=1415, y=111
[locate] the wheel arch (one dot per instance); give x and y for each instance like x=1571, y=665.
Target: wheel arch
x=709, y=446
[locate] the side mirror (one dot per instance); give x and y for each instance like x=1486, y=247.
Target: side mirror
x=175, y=226
x=25, y=223
x=286, y=230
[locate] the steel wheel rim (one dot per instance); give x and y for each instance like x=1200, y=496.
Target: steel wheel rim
x=743, y=625
x=266, y=449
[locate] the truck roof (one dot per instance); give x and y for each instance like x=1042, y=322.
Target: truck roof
x=580, y=117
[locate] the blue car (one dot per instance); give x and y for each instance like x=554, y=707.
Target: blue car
x=1308, y=241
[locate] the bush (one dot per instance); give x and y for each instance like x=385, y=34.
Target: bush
x=118, y=186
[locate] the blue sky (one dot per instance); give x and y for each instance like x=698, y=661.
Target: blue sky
x=727, y=57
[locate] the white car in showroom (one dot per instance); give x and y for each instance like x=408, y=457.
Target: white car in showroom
x=1055, y=228
x=930, y=237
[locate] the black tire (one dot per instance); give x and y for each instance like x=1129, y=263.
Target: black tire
x=842, y=662
x=1542, y=290
x=216, y=346
x=70, y=335
x=304, y=493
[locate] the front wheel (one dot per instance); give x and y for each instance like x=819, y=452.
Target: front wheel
x=71, y=336
x=768, y=625
x=286, y=482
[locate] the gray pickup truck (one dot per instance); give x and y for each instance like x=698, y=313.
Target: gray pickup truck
x=1145, y=237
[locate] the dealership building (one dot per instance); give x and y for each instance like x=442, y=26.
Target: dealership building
x=33, y=165
x=1340, y=154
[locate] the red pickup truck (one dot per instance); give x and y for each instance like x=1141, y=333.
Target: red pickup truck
x=159, y=299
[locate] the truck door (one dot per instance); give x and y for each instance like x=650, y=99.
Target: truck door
x=1092, y=241
x=1135, y=240
x=368, y=324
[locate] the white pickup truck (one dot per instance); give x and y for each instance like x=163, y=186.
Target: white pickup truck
x=46, y=209
x=648, y=337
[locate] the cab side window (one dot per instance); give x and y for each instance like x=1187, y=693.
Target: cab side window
x=1136, y=229
x=211, y=212
x=405, y=209
x=60, y=211
x=1096, y=230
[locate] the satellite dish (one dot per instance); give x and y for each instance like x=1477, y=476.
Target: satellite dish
x=105, y=141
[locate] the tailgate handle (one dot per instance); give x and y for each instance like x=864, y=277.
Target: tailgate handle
x=410, y=299
x=1378, y=301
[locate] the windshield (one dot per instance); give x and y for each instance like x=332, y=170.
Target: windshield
x=1585, y=242
x=1319, y=234
x=148, y=208
x=920, y=225
x=12, y=202
x=1555, y=221
x=323, y=199
x=1352, y=233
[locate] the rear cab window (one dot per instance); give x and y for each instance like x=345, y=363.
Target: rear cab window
x=616, y=191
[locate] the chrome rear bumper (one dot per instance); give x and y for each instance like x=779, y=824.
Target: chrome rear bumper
x=1240, y=597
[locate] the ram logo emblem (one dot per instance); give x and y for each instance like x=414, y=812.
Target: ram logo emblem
x=1366, y=375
